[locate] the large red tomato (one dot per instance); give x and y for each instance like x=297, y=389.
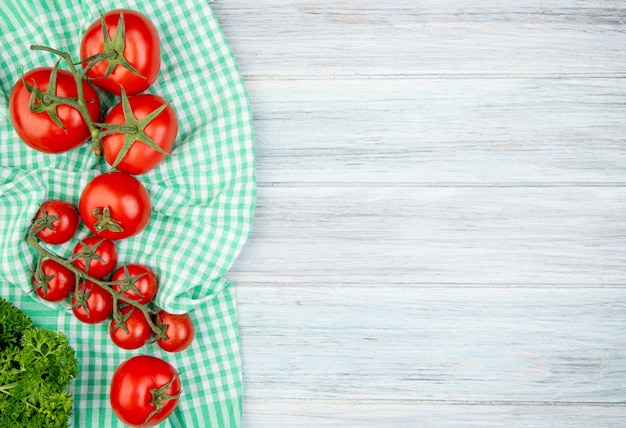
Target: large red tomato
x=49, y=127
x=115, y=205
x=134, y=48
x=144, y=391
x=155, y=124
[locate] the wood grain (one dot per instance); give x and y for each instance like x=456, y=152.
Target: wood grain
x=273, y=38
x=440, y=236
x=433, y=131
x=381, y=414
x=477, y=344
x=482, y=235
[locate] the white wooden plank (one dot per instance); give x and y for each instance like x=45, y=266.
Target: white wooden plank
x=495, y=131
x=401, y=272
x=476, y=344
x=372, y=414
x=437, y=235
x=354, y=37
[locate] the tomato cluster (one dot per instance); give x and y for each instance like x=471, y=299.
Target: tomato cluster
x=102, y=289
x=99, y=287
x=54, y=110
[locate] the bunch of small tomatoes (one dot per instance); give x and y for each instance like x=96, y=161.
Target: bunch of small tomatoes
x=54, y=110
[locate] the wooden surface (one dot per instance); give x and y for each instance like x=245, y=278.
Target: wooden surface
x=440, y=236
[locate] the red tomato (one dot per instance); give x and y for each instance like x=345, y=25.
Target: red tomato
x=114, y=205
x=179, y=332
x=134, y=333
x=144, y=391
x=53, y=281
x=95, y=256
x=57, y=221
x=91, y=303
x=38, y=129
x=142, y=289
x=137, y=58
x=156, y=127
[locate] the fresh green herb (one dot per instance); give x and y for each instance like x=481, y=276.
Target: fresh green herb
x=36, y=368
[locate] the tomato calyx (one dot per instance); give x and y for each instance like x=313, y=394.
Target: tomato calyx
x=105, y=221
x=160, y=397
x=120, y=320
x=44, y=222
x=88, y=253
x=132, y=128
x=113, y=50
x=41, y=278
x=47, y=101
x=52, y=101
x=81, y=297
x=79, y=103
x=128, y=283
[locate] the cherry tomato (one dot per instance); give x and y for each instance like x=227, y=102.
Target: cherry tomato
x=134, y=332
x=91, y=303
x=144, y=391
x=57, y=221
x=156, y=127
x=50, y=129
x=95, y=256
x=53, y=281
x=179, y=333
x=137, y=52
x=143, y=288
x=115, y=205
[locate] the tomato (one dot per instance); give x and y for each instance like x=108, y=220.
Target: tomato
x=56, y=221
x=91, y=303
x=155, y=124
x=179, y=332
x=139, y=282
x=134, y=332
x=115, y=205
x=134, y=42
x=51, y=129
x=53, y=281
x=95, y=256
x=144, y=391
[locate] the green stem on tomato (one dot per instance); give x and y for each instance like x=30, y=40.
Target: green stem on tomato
x=80, y=103
x=32, y=240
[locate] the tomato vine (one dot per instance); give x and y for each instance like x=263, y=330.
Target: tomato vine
x=109, y=286
x=56, y=109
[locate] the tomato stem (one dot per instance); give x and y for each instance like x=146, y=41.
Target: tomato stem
x=157, y=329
x=160, y=397
x=133, y=129
x=79, y=103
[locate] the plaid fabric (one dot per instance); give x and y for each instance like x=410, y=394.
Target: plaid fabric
x=203, y=202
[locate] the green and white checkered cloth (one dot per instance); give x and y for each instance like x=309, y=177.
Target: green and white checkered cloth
x=203, y=202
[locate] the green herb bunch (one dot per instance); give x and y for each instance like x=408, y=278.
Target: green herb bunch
x=36, y=368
